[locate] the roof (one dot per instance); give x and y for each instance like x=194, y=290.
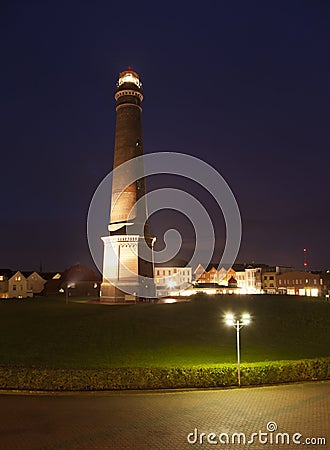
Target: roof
x=78, y=273
x=7, y=272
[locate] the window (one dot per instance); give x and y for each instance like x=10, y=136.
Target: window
x=314, y=281
x=157, y=272
x=279, y=281
x=14, y=287
x=271, y=284
x=271, y=277
x=1, y=277
x=265, y=277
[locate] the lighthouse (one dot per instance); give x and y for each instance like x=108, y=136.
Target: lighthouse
x=127, y=266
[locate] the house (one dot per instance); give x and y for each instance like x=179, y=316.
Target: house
x=212, y=275
x=5, y=274
x=18, y=286
x=171, y=280
x=198, y=272
x=77, y=280
x=249, y=278
x=52, y=285
x=35, y=282
x=269, y=282
x=300, y=283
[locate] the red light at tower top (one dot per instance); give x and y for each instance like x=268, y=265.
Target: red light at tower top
x=305, y=257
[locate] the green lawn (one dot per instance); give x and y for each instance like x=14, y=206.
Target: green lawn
x=46, y=332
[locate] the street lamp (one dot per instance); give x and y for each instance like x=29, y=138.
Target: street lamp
x=238, y=325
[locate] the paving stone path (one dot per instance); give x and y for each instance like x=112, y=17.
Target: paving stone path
x=276, y=417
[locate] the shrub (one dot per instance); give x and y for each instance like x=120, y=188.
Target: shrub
x=272, y=372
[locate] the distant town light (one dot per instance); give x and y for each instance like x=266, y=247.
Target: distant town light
x=169, y=300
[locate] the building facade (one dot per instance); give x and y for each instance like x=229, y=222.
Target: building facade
x=300, y=283
x=269, y=282
x=18, y=286
x=172, y=280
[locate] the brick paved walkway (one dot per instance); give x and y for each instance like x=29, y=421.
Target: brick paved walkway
x=162, y=421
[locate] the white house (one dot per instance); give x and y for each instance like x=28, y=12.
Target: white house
x=172, y=280
x=249, y=281
x=35, y=283
x=18, y=286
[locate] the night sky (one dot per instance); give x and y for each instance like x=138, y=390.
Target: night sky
x=243, y=85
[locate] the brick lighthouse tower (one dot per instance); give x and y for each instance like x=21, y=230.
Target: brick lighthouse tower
x=127, y=275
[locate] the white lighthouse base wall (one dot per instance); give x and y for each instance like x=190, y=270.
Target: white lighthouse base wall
x=121, y=281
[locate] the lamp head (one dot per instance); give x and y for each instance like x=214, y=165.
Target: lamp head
x=246, y=319
x=230, y=319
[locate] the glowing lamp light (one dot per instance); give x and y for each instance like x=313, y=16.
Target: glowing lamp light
x=170, y=283
x=246, y=319
x=129, y=77
x=230, y=319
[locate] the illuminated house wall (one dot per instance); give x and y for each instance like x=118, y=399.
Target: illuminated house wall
x=35, y=283
x=221, y=276
x=17, y=286
x=269, y=282
x=172, y=279
x=300, y=283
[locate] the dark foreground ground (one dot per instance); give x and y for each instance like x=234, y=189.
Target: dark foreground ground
x=46, y=332
x=157, y=421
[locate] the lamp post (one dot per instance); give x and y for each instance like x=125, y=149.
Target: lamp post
x=66, y=294
x=238, y=324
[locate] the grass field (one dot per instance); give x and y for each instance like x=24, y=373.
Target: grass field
x=45, y=332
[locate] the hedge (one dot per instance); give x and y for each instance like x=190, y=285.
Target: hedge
x=252, y=374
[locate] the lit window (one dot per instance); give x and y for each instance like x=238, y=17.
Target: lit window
x=1, y=277
x=314, y=281
x=306, y=281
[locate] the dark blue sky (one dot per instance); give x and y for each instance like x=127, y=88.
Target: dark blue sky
x=242, y=85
